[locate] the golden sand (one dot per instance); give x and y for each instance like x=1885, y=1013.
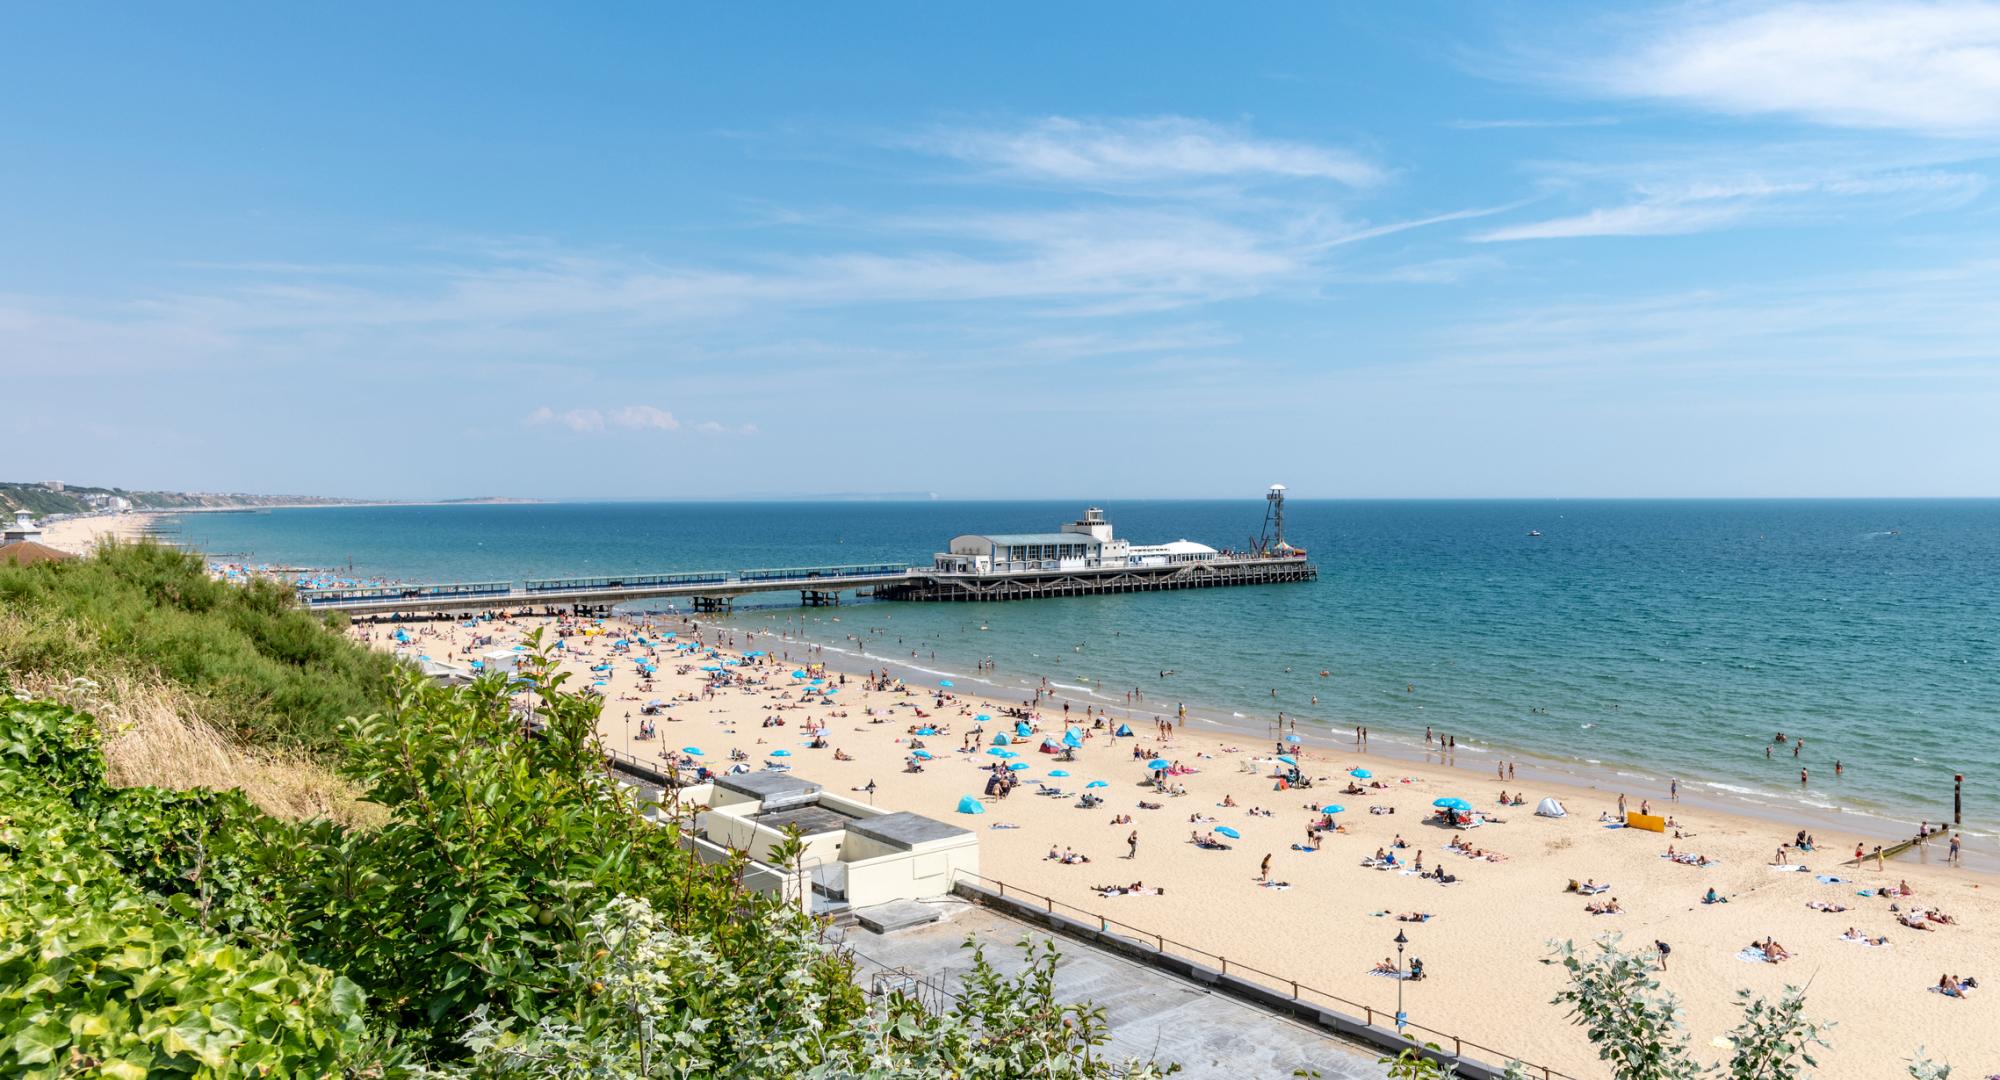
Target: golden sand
x=1485, y=945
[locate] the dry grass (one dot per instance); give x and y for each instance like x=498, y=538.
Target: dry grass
x=154, y=736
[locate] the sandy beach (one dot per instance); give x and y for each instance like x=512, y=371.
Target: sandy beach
x=79, y=535
x=1487, y=934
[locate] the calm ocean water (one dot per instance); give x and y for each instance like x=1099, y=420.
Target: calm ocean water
x=1651, y=639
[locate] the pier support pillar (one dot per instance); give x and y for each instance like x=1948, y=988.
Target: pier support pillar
x=721, y=604
x=819, y=598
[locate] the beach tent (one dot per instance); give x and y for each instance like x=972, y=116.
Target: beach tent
x=1050, y=746
x=969, y=805
x=1000, y=738
x=1123, y=730
x=1550, y=808
x=1022, y=729
x=1073, y=737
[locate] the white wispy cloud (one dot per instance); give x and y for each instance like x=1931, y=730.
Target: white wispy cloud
x=1165, y=148
x=625, y=417
x=1661, y=203
x=1929, y=68
x=645, y=416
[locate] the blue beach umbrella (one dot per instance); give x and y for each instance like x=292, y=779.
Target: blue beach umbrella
x=1017, y=766
x=1332, y=808
x=798, y=674
x=1229, y=832
x=997, y=752
x=1361, y=774
x=944, y=682
x=1096, y=783
x=982, y=718
x=1057, y=772
x=695, y=750
x=1159, y=763
x=926, y=731
x=781, y=753
x=752, y=655
x=832, y=691
x=1288, y=759
x=924, y=754
x=1292, y=739
x=710, y=667
x=1452, y=804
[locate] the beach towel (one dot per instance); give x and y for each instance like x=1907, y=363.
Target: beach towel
x=1858, y=941
x=1406, y=975
x=1593, y=890
x=1829, y=879
x=1302, y=847
x=1788, y=869
x=1752, y=956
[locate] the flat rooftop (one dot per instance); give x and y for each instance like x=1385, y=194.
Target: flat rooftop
x=810, y=820
x=1150, y=1013
x=769, y=787
x=904, y=830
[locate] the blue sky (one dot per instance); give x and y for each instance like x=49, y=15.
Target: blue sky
x=1023, y=250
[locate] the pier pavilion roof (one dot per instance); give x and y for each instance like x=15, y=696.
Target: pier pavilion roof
x=1028, y=539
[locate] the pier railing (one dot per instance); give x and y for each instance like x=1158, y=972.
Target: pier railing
x=1375, y=1025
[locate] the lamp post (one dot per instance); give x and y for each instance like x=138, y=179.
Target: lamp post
x=1400, y=942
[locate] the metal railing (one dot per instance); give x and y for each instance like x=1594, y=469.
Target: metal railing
x=1372, y=1016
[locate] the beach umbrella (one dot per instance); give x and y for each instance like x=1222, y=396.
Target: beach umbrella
x=1292, y=739
x=969, y=805
x=1332, y=808
x=1096, y=783
x=710, y=667
x=832, y=691
x=997, y=752
x=1289, y=760
x=695, y=750
x=1361, y=774
x=1229, y=832
x=924, y=754
x=944, y=682
x=798, y=674
x=926, y=731
x=1017, y=766
x=1159, y=763
x=1057, y=772
x=781, y=753
x=752, y=655
x=1452, y=804
x=982, y=718
x=817, y=682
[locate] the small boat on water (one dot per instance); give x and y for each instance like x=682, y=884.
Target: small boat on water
x=1534, y=532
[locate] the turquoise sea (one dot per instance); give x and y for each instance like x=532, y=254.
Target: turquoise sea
x=1630, y=642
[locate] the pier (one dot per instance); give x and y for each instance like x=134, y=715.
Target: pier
x=819, y=586
x=1082, y=558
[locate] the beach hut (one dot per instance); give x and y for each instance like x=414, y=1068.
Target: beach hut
x=969, y=805
x=1550, y=808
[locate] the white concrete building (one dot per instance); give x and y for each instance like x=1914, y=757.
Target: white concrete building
x=1086, y=543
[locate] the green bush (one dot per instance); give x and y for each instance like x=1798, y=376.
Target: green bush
x=100, y=977
x=264, y=668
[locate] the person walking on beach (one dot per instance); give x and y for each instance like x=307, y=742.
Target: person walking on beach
x=1264, y=871
x=1952, y=858
x=1132, y=845
x=1674, y=790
